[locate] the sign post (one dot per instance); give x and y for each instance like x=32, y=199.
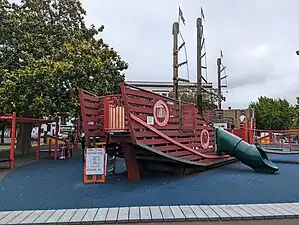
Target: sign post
x=95, y=165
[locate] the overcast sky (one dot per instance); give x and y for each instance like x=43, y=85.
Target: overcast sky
x=258, y=38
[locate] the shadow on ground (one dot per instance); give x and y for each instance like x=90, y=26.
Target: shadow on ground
x=50, y=184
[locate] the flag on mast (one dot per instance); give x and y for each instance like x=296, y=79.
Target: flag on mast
x=221, y=54
x=181, y=16
x=202, y=14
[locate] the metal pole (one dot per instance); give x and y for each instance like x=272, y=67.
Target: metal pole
x=175, y=33
x=219, y=82
x=198, y=71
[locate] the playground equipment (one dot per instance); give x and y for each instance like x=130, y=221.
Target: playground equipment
x=14, y=120
x=272, y=141
x=151, y=131
x=250, y=155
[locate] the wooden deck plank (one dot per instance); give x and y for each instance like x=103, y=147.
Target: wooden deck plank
x=112, y=215
x=123, y=215
x=67, y=216
x=283, y=209
x=255, y=214
x=53, y=219
x=18, y=219
x=222, y=214
x=263, y=212
x=156, y=213
x=134, y=215
x=78, y=216
x=291, y=208
x=188, y=213
x=231, y=212
x=276, y=214
x=166, y=213
x=145, y=214
x=210, y=212
x=89, y=215
x=177, y=213
x=200, y=214
x=245, y=215
x=3, y=214
x=101, y=215
x=10, y=217
x=32, y=217
x=44, y=217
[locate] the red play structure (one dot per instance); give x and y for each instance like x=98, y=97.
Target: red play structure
x=14, y=120
x=150, y=131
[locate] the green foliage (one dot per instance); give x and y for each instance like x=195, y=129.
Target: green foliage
x=46, y=53
x=189, y=94
x=273, y=114
x=296, y=122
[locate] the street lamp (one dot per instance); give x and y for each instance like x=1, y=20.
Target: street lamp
x=297, y=52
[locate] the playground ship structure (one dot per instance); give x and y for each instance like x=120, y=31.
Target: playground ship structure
x=151, y=131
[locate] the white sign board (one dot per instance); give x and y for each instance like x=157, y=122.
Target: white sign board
x=150, y=120
x=242, y=118
x=220, y=125
x=95, y=161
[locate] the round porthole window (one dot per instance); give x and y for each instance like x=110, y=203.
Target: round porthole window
x=161, y=113
x=205, y=138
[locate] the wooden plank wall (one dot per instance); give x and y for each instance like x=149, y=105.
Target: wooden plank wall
x=92, y=111
x=141, y=104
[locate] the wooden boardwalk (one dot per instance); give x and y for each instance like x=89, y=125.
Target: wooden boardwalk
x=154, y=214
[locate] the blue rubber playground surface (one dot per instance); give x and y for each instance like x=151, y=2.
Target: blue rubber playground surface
x=50, y=184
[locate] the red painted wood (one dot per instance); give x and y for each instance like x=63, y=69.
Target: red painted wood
x=97, y=106
x=141, y=102
x=172, y=133
x=192, y=158
x=174, y=141
x=179, y=153
x=167, y=127
x=164, y=141
x=171, y=119
x=89, y=97
x=93, y=112
x=131, y=162
x=94, y=127
x=124, y=92
x=145, y=94
x=98, y=119
x=164, y=148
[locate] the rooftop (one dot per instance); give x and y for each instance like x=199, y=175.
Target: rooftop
x=165, y=84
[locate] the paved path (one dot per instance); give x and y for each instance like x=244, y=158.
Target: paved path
x=187, y=213
x=50, y=184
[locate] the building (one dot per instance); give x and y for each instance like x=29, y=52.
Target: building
x=233, y=118
x=65, y=127
x=163, y=88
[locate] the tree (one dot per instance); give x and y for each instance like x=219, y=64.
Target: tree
x=273, y=114
x=296, y=121
x=189, y=94
x=47, y=53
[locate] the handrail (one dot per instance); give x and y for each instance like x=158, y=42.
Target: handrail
x=175, y=142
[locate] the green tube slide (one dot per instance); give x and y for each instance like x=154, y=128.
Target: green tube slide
x=251, y=155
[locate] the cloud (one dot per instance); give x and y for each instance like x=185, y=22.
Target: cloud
x=260, y=51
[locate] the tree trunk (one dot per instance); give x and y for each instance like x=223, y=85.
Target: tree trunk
x=24, y=139
x=2, y=135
